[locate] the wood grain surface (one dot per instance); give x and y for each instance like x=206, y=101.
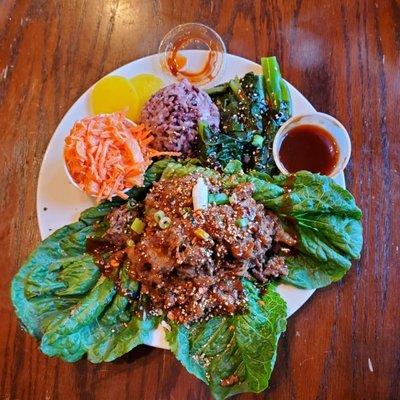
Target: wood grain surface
x=344, y=56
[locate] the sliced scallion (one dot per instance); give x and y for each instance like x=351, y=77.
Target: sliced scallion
x=164, y=223
x=158, y=216
x=218, y=198
x=138, y=226
x=258, y=141
x=131, y=204
x=241, y=222
x=200, y=195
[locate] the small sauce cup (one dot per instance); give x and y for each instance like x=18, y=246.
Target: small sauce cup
x=321, y=121
x=199, y=67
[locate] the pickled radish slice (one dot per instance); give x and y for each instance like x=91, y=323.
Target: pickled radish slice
x=146, y=85
x=115, y=94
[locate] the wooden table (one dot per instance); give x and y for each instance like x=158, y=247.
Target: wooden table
x=344, y=343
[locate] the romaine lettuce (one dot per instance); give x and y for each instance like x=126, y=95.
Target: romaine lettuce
x=61, y=298
x=241, y=347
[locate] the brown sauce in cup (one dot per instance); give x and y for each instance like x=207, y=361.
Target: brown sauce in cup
x=310, y=148
x=176, y=61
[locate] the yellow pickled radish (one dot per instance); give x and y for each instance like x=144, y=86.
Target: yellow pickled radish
x=115, y=93
x=146, y=85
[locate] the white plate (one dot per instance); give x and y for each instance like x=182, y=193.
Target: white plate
x=60, y=203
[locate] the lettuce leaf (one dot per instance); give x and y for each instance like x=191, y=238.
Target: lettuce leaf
x=124, y=338
x=243, y=345
x=313, y=194
x=30, y=310
x=328, y=225
x=69, y=335
x=60, y=297
x=307, y=272
x=102, y=324
x=119, y=329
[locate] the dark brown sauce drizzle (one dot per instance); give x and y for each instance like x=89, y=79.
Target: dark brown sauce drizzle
x=176, y=61
x=96, y=247
x=104, y=253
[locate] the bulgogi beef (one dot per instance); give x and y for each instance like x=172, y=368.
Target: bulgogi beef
x=119, y=219
x=191, y=266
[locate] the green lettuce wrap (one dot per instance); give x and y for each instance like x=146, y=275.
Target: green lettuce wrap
x=62, y=299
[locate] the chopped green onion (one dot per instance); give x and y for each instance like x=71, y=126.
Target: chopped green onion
x=164, y=223
x=258, y=141
x=186, y=212
x=158, y=216
x=202, y=234
x=138, y=226
x=218, y=198
x=131, y=203
x=217, y=89
x=130, y=243
x=241, y=222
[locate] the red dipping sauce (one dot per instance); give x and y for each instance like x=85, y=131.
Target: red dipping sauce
x=309, y=147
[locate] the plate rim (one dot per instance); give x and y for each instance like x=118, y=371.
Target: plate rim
x=157, y=338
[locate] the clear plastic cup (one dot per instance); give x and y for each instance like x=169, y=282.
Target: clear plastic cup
x=193, y=51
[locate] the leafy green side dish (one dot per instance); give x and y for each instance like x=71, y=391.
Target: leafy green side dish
x=252, y=109
x=62, y=299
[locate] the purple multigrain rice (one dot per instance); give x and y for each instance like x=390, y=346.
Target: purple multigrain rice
x=173, y=113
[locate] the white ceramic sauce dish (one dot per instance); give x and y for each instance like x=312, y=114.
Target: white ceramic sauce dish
x=324, y=121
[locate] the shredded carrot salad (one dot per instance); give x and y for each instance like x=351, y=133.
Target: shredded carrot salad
x=107, y=154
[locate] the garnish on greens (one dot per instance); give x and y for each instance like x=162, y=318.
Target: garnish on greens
x=252, y=109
